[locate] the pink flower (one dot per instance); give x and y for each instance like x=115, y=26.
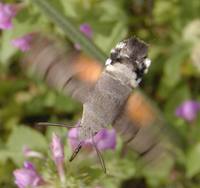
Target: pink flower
x=87, y=31
x=23, y=43
x=31, y=153
x=7, y=13
x=73, y=137
x=104, y=139
x=27, y=176
x=57, y=149
x=188, y=110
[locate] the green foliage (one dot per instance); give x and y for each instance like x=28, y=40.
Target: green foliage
x=74, y=34
x=23, y=136
x=192, y=164
x=172, y=30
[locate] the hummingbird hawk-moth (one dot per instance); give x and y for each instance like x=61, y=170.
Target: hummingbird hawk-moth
x=122, y=73
x=105, y=92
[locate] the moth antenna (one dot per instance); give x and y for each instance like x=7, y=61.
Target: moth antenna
x=56, y=125
x=100, y=157
x=75, y=152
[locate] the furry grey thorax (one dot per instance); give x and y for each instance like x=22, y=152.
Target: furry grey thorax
x=128, y=61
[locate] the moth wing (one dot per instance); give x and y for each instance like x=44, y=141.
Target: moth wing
x=141, y=127
x=68, y=71
x=75, y=74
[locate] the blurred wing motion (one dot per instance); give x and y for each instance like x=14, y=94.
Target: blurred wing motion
x=75, y=74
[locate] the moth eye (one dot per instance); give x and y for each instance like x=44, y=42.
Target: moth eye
x=114, y=55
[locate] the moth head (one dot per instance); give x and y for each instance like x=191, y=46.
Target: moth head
x=132, y=54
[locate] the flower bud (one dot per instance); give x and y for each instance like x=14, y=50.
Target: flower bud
x=57, y=149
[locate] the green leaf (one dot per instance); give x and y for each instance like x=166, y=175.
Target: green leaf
x=107, y=42
x=70, y=8
x=172, y=72
x=6, y=174
x=24, y=136
x=176, y=97
x=165, y=11
x=9, y=87
x=192, y=164
x=70, y=30
x=66, y=104
x=172, y=69
x=7, y=51
x=5, y=154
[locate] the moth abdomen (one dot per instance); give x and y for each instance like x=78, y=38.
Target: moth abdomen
x=103, y=105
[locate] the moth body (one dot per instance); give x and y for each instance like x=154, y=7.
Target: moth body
x=123, y=72
x=104, y=98
x=103, y=105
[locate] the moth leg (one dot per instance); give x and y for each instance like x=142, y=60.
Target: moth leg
x=76, y=151
x=56, y=125
x=100, y=157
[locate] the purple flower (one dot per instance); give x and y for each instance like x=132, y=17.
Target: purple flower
x=31, y=153
x=73, y=137
x=57, y=149
x=29, y=165
x=23, y=43
x=87, y=30
x=104, y=139
x=7, y=13
x=188, y=110
x=27, y=176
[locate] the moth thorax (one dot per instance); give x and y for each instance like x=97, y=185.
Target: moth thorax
x=123, y=73
x=128, y=60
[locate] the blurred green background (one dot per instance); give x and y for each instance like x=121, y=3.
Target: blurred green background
x=172, y=30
